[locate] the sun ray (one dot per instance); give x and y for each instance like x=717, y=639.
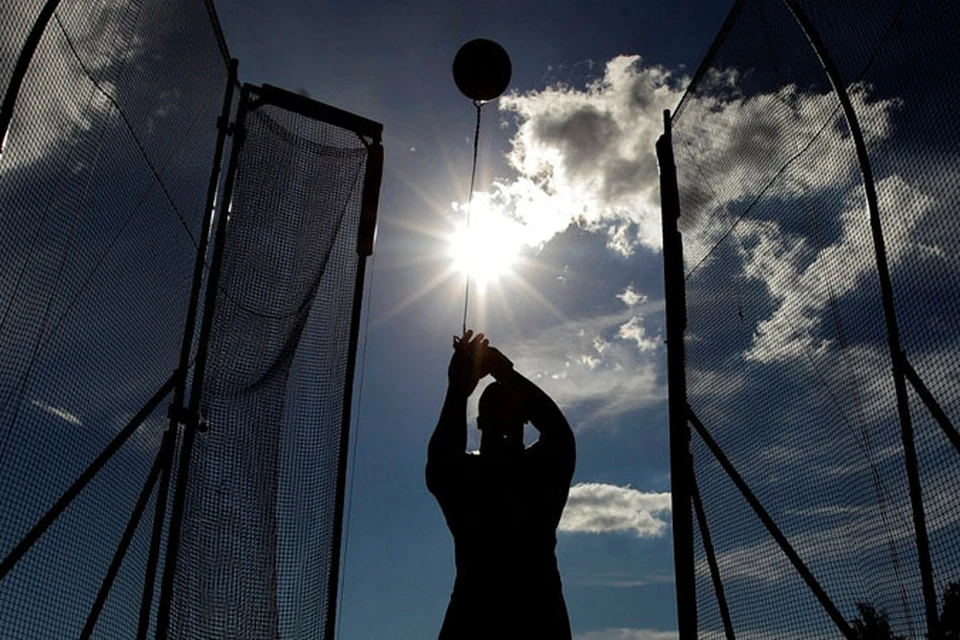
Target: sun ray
x=538, y=297
x=507, y=309
x=417, y=227
x=524, y=263
x=411, y=259
x=424, y=289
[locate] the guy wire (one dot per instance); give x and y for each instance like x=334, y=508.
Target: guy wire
x=356, y=446
x=473, y=176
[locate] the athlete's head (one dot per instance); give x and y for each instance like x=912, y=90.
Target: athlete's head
x=501, y=415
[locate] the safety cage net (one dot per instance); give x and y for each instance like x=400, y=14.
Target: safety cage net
x=103, y=181
x=124, y=140
x=792, y=362
x=260, y=538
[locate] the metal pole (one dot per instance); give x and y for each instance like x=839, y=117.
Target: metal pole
x=772, y=528
x=186, y=347
x=176, y=412
x=132, y=525
x=889, y=312
x=676, y=324
x=711, y=558
x=20, y=70
x=196, y=392
x=88, y=474
x=368, y=217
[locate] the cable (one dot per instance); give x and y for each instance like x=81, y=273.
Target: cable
x=356, y=446
x=130, y=128
x=473, y=177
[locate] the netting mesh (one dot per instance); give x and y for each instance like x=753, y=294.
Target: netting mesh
x=102, y=189
x=787, y=364
x=258, y=539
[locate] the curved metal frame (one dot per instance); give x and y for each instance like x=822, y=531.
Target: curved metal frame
x=889, y=311
x=20, y=71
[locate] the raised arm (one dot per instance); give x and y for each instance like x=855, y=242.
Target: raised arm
x=450, y=435
x=449, y=439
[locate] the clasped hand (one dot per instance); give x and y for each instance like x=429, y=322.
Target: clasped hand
x=473, y=358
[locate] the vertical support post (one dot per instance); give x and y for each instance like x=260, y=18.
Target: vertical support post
x=186, y=347
x=890, y=315
x=20, y=70
x=365, y=238
x=676, y=321
x=196, y=392
x=176, y=411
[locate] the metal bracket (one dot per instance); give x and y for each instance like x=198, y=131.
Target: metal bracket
x=225, y=125
x=184, y=417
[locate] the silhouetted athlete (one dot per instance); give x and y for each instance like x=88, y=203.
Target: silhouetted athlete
x=503, y=505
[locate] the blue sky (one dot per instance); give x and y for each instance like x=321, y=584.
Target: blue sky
x=601, y=356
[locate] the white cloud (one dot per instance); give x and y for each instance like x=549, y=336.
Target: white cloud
x=587, y=156
x=588, y=364
x=627, y=634
x=631, y=297
x=57, y=101
x=620, y=239
x=602, y=508
x=729, y=148
x=804, y=289
x=633, y=330
x=57, y=412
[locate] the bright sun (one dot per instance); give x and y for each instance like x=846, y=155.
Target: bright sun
x=488, y=248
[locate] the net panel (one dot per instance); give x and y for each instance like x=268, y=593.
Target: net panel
x=257, y=552
x=917, y=167
x=102, y=190
x=787, y=357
